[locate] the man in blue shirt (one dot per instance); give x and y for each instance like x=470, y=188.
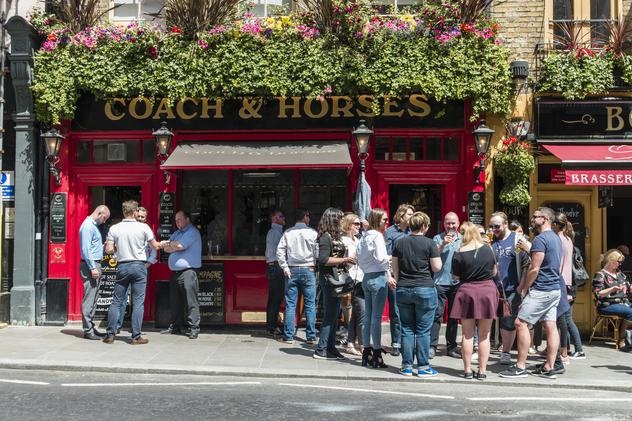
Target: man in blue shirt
x=274, y=273
x=399, y=229
x=541, y=295
x=448, y=242
x=91, y=244
x=185, y=260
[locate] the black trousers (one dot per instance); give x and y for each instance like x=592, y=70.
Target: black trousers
x=183, y=297
x=445, y=293
x=276, y=292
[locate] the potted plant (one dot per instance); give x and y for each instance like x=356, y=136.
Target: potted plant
x=514, y=162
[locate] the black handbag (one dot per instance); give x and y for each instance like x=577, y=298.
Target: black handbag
x=580, y=276
x=340, y=282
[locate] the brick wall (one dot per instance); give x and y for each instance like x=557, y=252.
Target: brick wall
x=521, y=26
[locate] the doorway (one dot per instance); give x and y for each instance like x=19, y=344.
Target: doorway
x=424, y=198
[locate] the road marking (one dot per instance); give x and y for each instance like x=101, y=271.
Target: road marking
x=384, y=392
x=160, y=384
x=23, y=382
x=550, y=399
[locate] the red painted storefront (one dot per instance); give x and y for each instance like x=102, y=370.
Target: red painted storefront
x=396, y=167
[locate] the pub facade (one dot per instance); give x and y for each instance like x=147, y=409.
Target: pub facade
x=232, y=161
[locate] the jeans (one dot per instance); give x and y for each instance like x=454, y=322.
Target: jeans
x=122, y=310
x=617, y=310
x=331, y=311
x=562, y=325
x=417, y=308
x=132, y=274
x=358, y=319
x=445, y=293
x=576, y=338
x=374, y=287
x=90, y=294
x=303, y=279
x=276, y=290
x=393, y=315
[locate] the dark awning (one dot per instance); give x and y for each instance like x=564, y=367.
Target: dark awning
x=297, y=154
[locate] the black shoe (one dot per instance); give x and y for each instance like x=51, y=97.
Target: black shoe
x=558, y=368
x=194, y=334
x=335, y=353
x=514, y=372
x=367, y=356
x=453, y=353
x=99, y=334
x=377, y=361
x=480, y=376
x=324, y=355
x=171, y=330
x=468, y=375
x=431, y=353
x=91, y=336
x=395, y=352
x=540, y=371
x=118, y=331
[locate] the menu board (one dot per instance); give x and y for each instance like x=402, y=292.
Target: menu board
x=211, y=293
x=166, y=219
x=476, y=208
x=575, y=214
x=58, y=218
x=109, y=267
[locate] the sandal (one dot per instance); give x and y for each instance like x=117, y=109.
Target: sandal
x=468, y=375
x=480, y=376
x=352, y=350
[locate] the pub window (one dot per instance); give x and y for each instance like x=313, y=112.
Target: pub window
x=255, y=194
x=433, y=148
x=83, y=151
x=399, y=149
x=382, y=148
x=270, y=8
x=128, y=11
x=205, y=196
x=451, y=149
x=388, y=7
x=116, y=151
x=321, y=189
x=590, y=17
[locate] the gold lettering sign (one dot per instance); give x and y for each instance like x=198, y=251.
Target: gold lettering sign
x=416, y=105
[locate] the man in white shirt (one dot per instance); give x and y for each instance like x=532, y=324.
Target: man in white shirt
x=128, y=240
x=297, y=253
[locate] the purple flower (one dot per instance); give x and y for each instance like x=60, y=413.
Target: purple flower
x=202, y=44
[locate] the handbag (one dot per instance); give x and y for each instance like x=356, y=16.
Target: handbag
x=504, y=308
x=580, y=275
x=340, y=281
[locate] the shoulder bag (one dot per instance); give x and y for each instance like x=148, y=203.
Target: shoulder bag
x=339, y=280
x=580, y=275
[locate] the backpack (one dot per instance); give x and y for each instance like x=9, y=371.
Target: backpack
x=580, y=276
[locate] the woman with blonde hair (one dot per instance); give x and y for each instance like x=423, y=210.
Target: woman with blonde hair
x=476, y=300
x=350, y=230
x=374, y=262
x=612, y=290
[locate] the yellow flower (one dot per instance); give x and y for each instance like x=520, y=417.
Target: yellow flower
x=270, y=22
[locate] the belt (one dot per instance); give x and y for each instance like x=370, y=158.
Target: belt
x=132, y=261
x=302, y=267
x=272, y=263
x=98, y=261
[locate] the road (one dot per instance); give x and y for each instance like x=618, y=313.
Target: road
x=51, y=395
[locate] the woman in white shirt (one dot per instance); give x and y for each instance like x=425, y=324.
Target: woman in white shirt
x=374, y=261
x=351, y=229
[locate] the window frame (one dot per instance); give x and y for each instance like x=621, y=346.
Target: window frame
x=581, y=14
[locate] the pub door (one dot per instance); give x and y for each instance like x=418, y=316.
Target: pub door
x=424, y=198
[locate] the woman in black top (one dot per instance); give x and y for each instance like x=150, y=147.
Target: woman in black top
x=415, y=258
x=476, y=300
x=332, y=254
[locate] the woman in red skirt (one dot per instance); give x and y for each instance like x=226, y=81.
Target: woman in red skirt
x=476, y=300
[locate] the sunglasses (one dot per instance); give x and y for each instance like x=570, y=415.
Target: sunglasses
x=495, y=227
x=356, y=223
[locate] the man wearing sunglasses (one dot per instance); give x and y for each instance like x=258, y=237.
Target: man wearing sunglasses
x=512, y=266
x=540, y=290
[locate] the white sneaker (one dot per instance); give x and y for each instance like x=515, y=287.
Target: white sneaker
x=505, y=358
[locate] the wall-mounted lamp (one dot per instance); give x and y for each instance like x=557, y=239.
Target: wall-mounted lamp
x=519, y=73
x=482, y=140
x=362, y=135
x=163, y=144
x=52, y=144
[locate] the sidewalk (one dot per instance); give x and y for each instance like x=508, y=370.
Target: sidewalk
x=251, y=353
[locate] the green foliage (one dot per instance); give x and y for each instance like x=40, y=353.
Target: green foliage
x=514, y=163
x=577, y=74
x=272, y=57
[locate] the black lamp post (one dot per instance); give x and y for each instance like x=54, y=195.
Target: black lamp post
x=482, y=139
x=362, y=135
x=163, y=143
x=52, y=144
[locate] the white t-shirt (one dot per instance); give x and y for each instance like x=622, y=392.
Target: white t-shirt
x=130, y=238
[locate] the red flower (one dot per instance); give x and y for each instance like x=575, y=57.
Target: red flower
x=176, y=30
x=51, y=37
x=153, y=52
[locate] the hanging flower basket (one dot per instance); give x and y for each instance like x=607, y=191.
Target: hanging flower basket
x=514, y=163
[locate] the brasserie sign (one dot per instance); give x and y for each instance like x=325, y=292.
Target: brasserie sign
x=267, y=113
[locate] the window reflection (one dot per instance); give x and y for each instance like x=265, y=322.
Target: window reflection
x=321, y=189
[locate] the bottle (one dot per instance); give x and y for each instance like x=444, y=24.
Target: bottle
x=490, y=234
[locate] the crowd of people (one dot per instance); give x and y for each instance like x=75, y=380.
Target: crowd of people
x=483, y=276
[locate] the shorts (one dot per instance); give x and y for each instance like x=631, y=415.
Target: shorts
x=539, y=306
x=508, y=323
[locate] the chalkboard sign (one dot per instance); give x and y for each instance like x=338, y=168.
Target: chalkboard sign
x=166, y=219
x=211, y=293
x=476, y=208
x=109, y=267
x=58, y=218
x=575, y=214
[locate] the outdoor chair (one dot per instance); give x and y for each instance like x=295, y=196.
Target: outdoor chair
x=602, y=326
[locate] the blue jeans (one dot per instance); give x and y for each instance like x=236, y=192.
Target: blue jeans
x=617, y=310
x=303, y=279
x=393, y=315
x=122, y=310
x=374, y=287
x=134, y=275
x=417, y=307
x=331, y=311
